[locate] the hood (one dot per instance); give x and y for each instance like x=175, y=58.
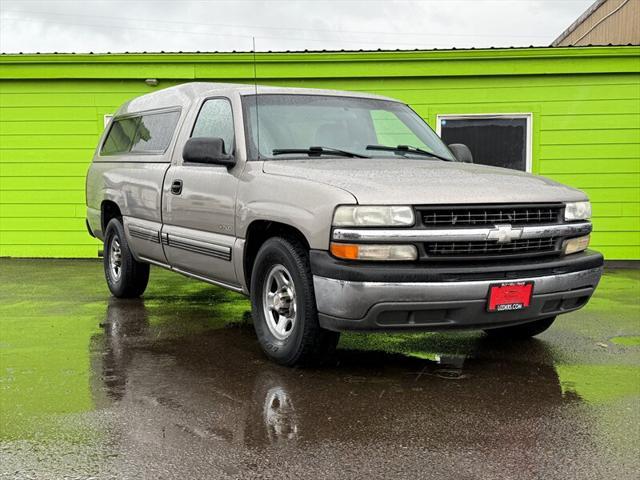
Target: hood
x=413, y=182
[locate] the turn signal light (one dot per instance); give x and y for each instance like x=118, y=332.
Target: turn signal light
x=350, y=251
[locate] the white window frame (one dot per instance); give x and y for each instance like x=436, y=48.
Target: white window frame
x=529, y=128
x=106, y=119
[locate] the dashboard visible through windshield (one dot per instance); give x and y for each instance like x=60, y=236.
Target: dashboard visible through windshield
x=280, y=126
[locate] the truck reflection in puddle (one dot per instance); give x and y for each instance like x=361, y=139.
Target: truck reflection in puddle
x=215, y=384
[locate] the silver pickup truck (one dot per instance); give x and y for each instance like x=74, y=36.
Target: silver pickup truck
x=333, y=211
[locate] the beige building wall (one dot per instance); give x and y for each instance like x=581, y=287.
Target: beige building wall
x=615, y=22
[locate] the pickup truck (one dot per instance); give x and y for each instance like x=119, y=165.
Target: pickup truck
x=333, y=211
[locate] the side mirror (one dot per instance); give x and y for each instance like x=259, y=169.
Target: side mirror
x=461, y=152
x=207, y=150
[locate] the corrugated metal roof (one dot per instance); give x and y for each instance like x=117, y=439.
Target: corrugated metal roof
x=539, y=47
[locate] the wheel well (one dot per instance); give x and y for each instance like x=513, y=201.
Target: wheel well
x=109, y=211
x=259, y=232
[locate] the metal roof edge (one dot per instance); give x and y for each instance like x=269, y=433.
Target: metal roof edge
x=453, y=52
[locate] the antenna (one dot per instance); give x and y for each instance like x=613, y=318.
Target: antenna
x=255, y=88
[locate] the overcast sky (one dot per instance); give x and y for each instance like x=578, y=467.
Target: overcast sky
x=224, y=25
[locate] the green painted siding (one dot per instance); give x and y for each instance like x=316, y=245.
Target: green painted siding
x=585, y=104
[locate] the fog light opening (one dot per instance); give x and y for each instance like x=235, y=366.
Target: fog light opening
x=575, y=245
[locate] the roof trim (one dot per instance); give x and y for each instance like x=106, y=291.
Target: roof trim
x=239, y=67
x=579, y=21
x=452, y=50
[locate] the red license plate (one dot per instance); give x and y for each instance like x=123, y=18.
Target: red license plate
x=506, y=297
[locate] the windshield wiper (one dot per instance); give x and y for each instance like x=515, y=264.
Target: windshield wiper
x=317, y=151
x=404, y=149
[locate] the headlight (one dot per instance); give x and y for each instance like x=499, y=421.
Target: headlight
x=575, y=245
x=398, y=253
x=577, y=211
x=373, y=216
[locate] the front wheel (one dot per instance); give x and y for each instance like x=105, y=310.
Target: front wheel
x=521, y=332
x=284, y=308
x=126, y=277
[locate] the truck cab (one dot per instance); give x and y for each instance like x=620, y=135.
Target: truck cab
x=332, y=211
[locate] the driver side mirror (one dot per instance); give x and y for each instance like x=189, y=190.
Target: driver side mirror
x=461, y=152
x=207, y=150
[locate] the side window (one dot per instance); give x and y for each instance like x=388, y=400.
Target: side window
x=154, y=132
x=150, y=133
x=120, y=136
x=216, y=120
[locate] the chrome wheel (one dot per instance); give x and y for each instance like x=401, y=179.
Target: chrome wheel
x=279, y=302
x=115, y=258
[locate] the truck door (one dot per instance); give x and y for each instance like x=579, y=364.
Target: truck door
x=198, y=211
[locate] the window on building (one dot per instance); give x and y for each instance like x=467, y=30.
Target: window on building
x=497, y=140
x=216, y=120
x=149, y=133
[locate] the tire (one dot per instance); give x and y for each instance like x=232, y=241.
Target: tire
x=126, y=277
x=521, y=332
x=291, y=335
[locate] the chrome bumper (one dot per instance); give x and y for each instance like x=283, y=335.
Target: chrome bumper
x=347, y=305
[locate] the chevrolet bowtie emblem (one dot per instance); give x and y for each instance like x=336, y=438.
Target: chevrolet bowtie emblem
x=504, y=233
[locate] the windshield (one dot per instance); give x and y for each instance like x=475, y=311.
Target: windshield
x=352, y=125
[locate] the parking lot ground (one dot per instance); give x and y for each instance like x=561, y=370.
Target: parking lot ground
x=174, y=385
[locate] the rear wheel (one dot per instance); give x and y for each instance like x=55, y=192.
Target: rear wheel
x=126, y=277
x=520, y=332
x=284, y=308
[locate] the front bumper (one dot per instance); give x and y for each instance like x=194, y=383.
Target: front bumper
x=449, y=302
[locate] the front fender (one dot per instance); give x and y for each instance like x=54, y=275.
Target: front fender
x=303, y=204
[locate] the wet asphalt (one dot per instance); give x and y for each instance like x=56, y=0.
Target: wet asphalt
x=174, y=385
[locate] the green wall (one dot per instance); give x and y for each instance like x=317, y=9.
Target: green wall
x=585, y=104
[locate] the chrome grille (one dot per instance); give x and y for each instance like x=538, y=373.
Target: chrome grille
x=489, y=248
x=491, y=215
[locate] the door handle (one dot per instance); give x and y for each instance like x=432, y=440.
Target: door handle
x=176, y=187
